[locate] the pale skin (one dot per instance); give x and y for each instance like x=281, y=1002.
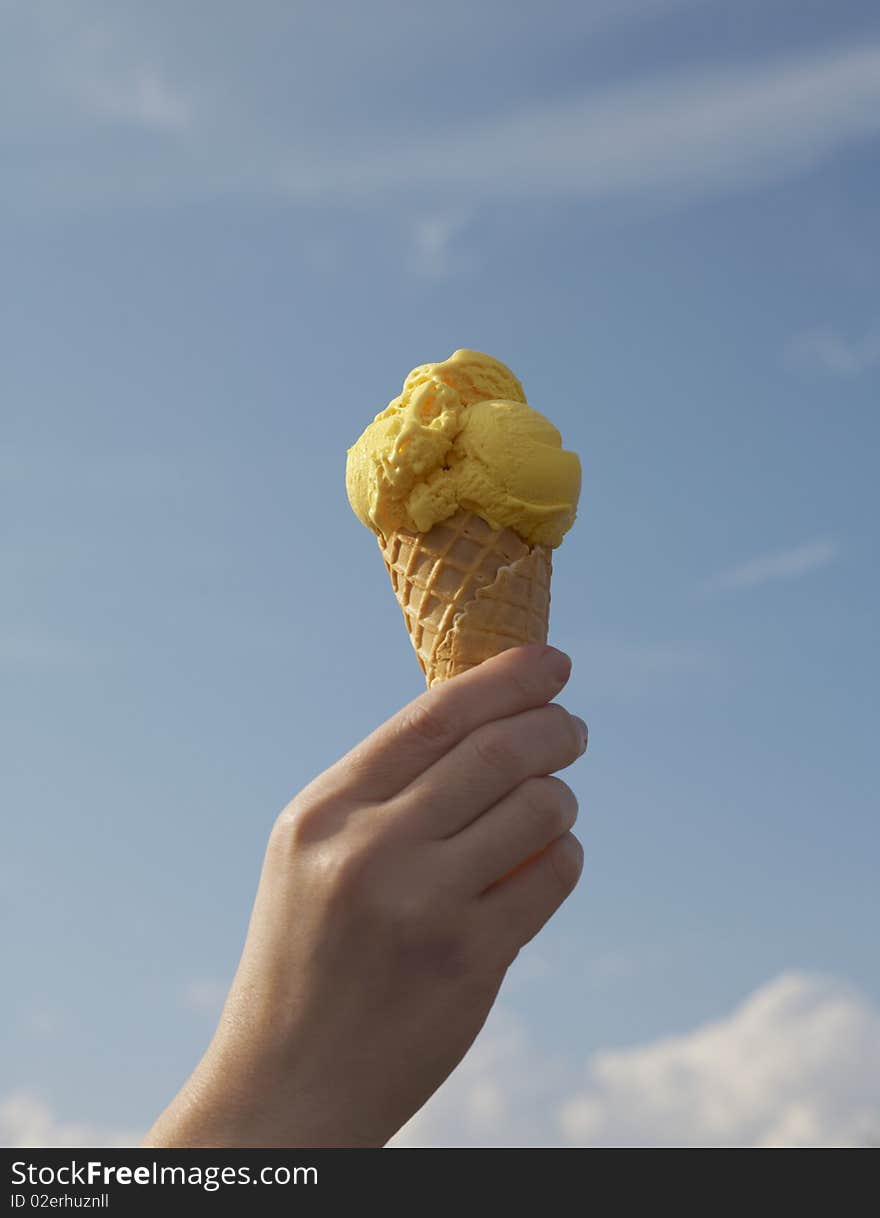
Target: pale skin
x=396, y=891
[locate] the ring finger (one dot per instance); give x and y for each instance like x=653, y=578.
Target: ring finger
x=519, y=827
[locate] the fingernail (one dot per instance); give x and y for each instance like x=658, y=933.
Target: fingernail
x=558, y=662
x=584, y=730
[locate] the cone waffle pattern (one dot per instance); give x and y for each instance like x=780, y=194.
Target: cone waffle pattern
x=467, y=592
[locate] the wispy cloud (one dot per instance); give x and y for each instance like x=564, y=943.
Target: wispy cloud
x=783, y=565
x=434, y=249
x=64, y=69
x=630, y=668
x=28, y=1120
x=142, y=97
x=835, y=354
x=797, y=1064
x=683, y=134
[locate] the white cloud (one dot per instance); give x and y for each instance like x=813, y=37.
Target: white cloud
x=784, y=565
x=797, y=1064
x=27, y=1120
x=825, y=351
x=502, y=1094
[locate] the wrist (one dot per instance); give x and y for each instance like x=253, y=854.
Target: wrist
x=241, y=1100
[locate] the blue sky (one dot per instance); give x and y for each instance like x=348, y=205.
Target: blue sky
x=226, y=234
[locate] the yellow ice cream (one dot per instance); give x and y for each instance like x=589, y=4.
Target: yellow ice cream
x=461, y=435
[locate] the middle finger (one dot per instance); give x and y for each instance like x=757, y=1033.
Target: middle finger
x=488, y=764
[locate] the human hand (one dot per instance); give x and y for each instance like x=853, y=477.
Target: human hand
x=397, y=889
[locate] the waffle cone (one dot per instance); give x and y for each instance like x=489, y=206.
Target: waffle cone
x=467, y=592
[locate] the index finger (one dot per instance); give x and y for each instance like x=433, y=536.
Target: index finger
x=518, y=679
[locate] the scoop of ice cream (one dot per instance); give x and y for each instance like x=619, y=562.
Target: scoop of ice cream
x=461, y=435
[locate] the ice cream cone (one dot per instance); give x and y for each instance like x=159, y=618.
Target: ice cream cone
x=467, y=591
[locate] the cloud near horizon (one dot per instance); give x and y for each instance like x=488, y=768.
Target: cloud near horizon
x=797, y=1065
x=28, y=1121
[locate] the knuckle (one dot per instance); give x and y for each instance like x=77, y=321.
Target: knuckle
x=303, y=821
x=521, y=683
x=349, y=868
x=331, y=841
x=494, y=748
x=287, y=830
x=427, y=722
x=348, y=877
